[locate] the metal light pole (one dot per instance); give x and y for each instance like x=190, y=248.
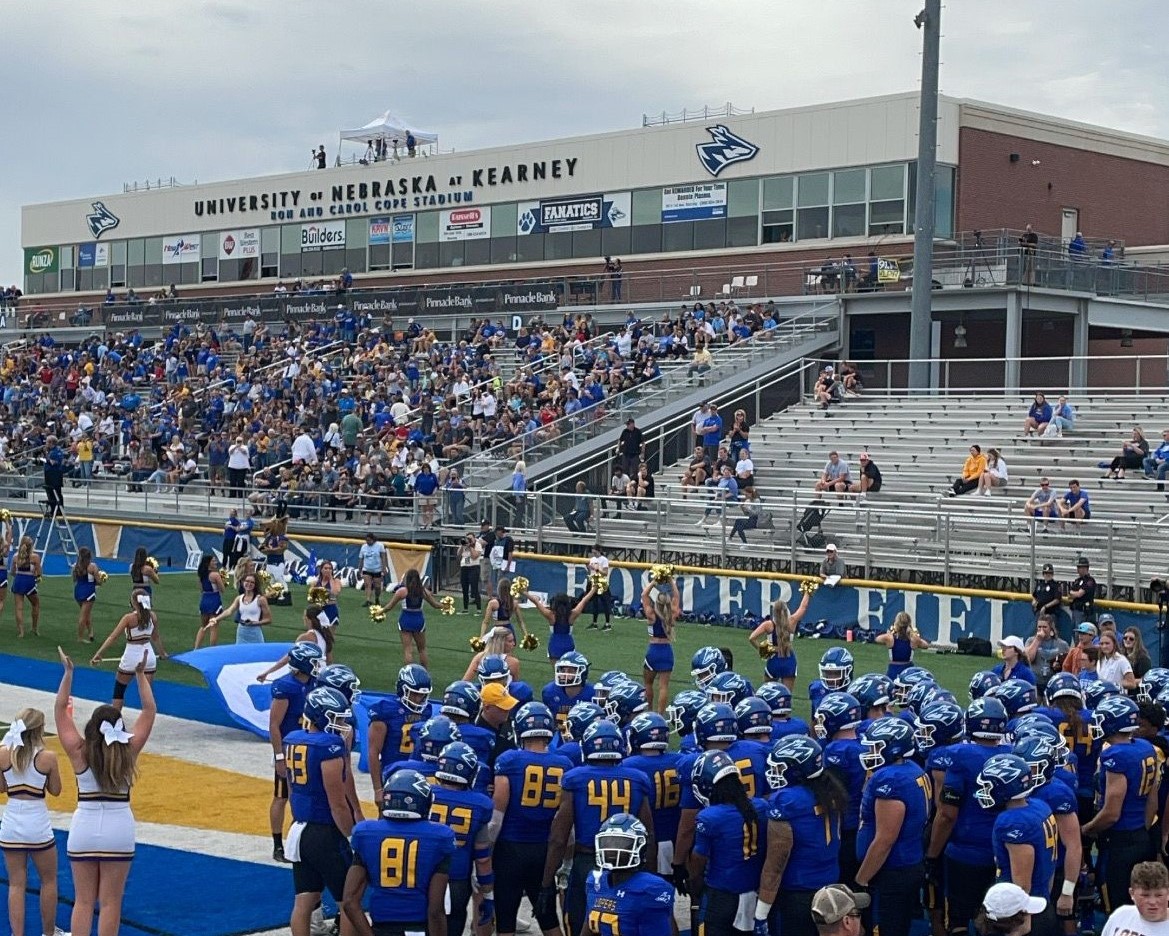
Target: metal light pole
x=929, y=22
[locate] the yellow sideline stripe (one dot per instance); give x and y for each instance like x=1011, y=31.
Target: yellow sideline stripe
x=855, y=583
x=150, y=525
x=176, y=792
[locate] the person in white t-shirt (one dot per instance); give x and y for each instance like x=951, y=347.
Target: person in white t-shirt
x=602, y=601
x=375, y=563
x=1148, y=914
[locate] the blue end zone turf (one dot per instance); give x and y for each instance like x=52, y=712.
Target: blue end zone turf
x=180, y=893
x=190, y=702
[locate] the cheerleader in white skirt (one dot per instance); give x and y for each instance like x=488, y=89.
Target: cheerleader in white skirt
x=27, y=773
x=101, y=835
x=140, y=628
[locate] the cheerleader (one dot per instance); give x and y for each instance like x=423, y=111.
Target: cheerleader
x=777, y=630
x=500, y=643
x=143, y=647
x=561, y=614
x=143, y=576
x=101, y=835
x=251, y=612
x=902, y=639
x=500, y=609
x=85, y=574
x=27, y=773
x=230, y=529
x=662, y=604
x=5, y=549
x=274, y=546
x=210, y=600
x=317, y=631
x=412, y=622
x=27, y=573
x=243, y=568
x=332, y=585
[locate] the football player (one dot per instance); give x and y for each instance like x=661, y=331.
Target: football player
x=649, y=740
x=461, y=703
x=390, y=739
x=940, y=725
x=429, y=738
x=707, y=663
x=622, y=898
x=680, y=718
x=835, y=674
x=874, y=691
x=779, y=697
x=580, y=716
x=288, y=695
x=570, y=685
x=836, y=723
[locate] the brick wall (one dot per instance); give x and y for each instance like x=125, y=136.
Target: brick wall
x=1116, y=197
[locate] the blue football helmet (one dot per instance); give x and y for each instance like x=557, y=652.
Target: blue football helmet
x=920, y=694
x=461, y=698
x=327, y=710
x=1097, y=691
x=414, y=687
x=340, y=677
x=906, y=680
x=625, y=700
x=406, y=795
x=1064, y=686
x=1004, y=777
x=715, y=723
x=776, y=695
x=792, y=760
x=572, y=669
x=306, y=659
x=579, y=717
x=432, y=735
x=1152, y=684
x=680, y=713
x=605, y=684
x=939, y=723
x=836, y=712
x=493, y=669
x=982, y=682
x=520, y=691
x=534, y=720
x=620, y=843
x=1017, y=697
x=728, y=687
x=706, y=663
x=1031, y=725
x=709, y=768
x=602, y=741
x=1040, y=755
x=457, y=763
x=872, y=690
x=1114, y=715
x=886, y=740
x=836, y=668
x=753, y=716
x=649, y=732
x=986, y=718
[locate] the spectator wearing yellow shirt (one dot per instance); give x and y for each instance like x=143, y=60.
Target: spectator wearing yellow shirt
x=84, y=452
x=973, y=469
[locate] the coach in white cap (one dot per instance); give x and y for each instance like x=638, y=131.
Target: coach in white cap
x=1008, y=909
x=836, y=911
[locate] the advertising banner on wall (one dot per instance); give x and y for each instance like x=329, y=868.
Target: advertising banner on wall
x=694, y=202
x=403, y=229
x=459, y=224
x=322, y=234
x=239, y=245
x=87, y=256
x=41, y=260
x=183, y=248
x=579, y=213
x=379, y=230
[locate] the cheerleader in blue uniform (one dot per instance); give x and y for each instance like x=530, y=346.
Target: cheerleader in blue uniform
x=561, y=614
x=777, y=630
x=412, y=622
x=662, y=604
x=331, y=584
x=500, y=610
x=5, y=549
x=211, y=589
x=902, y=639
x=85, y=573
x=27, y=572
x=143, y=577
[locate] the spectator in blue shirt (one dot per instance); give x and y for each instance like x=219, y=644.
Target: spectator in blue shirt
x=1063, y=415
x=1038, y=416
x=1077, y=249
x=711, y=430
x=1074, y=505
x=1156, y=463
x=726, y=493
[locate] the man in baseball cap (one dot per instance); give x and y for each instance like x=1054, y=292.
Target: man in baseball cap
x=837, y=910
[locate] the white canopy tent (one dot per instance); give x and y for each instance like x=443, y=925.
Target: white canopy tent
x=389, y=128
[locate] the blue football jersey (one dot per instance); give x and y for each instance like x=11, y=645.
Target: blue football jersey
x=733, y=847
x=1137, y=760
x=304, y=753
x=843, y=758
x=560, y=701
x=662, y=771
x=1080, y=743
x=685, y=767
x=482, y=742
x=292, y=690
x=466, y=813
x=643, y=905
x=815, y=858
x=751, y=759
x=908, y=784
x=1033, y=825
x=535, y=780
x=789, y=726
x=970, y=839
x=816, y=691
x=401, y=856
x=599, y=791
x=571, y=750
x=423, y=767
x=687, y=744
x=399, y=743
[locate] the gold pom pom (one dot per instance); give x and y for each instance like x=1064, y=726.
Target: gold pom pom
x=766, y=650
x=102, y=576
x=599, y=581
x=152, y=562
x=263, y=581
x=661, y=572
x=519, y=586
x=531, y=642
x=275, y=591
x=6, y=515
x=478, y=644
x=807, y=586
x=448, y=604
x=318, y=595
x=377, y=613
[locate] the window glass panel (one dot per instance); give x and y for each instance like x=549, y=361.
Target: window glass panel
x=426, y=256
x=887, y=217
x=678, y=236
x=34, y=283
x=310, y=263
x=848, y=187
x=848, y=221
x=558, y=246
x=153, y=250
x=85, y=278
x=777, y=192
x=742, y=232
x=647, y=238
x=813, y=190
x=153, y=275
x=249, y=268
x=887, y=183
x=269, y=264
x=290, y=239
x=136, y=252
x=426, y=227
x=135, y=277
x=118, y=252
x=188, y=275
x=270, y=240
x=65, y=261
x=379, y=256
x=357, y=234
x=118, y=275
x=944, y=201
x=228, y=270
x=211, y=269
x=616, y=241
x=503, y=220
x=477, y=252
x=587, y=243
x=710, y=235
x=529, y=248
x=333, y=261
x=811, y=223
x=743, y=198
x=778, y=233
x=647, y=206
x=503, y=249
x=403, y=256
x=450, y=254
x=355, y=258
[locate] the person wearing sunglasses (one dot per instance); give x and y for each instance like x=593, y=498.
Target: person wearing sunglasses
x=836, y=911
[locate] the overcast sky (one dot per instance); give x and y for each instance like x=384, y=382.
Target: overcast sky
x=97, y=95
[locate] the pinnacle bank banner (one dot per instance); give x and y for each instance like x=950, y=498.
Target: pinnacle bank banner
x=475, y=301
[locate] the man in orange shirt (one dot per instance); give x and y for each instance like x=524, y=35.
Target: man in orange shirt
x=1073, y=662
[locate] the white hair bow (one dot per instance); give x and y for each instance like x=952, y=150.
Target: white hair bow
x=143, y=600
x=115, y=732
x=324, y=620
x=14, y=737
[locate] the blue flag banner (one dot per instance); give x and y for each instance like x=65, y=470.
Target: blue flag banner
x=231, y=671
x=743, y=599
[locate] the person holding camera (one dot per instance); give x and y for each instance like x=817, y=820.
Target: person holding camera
x=1043, y=649
x=470, y=552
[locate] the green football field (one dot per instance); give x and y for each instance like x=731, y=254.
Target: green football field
x=374, y=650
